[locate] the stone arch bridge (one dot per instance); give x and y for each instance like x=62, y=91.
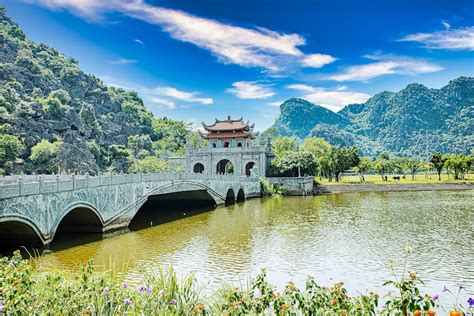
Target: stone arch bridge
x=34, y=206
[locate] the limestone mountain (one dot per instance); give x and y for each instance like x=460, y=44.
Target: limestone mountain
x=45, y=96
x=414, y=121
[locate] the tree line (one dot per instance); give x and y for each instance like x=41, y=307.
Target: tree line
x=316, y=157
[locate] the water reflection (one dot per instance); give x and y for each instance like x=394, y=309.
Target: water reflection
x=332, y=237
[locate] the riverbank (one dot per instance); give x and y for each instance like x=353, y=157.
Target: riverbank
x=392, y=187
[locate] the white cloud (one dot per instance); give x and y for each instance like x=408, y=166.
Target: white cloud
x=248, y=47
x=449, y=39
x=333, y=100
x=122, y=61
x=317, y=60
x=181, y=95
x=385, y=65
x=275, y=103
x=159, y=101
x=446, y=24
x=139, y=41
x=251, y=90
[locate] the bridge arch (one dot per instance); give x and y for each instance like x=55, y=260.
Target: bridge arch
x=17, y=231
x=240, y=195
x=230, y=197
x=198, y=168
x=225, y=166
x=79, y=217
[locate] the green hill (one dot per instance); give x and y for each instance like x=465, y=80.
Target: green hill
x=414, y=121
x=84, y=125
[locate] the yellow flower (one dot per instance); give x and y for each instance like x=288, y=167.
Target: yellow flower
x=285, y=306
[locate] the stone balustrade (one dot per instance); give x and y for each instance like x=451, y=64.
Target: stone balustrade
x=22, y=185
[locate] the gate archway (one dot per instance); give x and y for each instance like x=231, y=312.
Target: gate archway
x=224, y=166
x=248, y=167
x=198, y=168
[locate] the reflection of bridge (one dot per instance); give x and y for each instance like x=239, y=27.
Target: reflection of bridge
x=34, y=207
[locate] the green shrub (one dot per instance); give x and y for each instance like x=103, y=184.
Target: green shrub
x=54, y=107
x=44, y=151
x=10, y=148
x=269, y=189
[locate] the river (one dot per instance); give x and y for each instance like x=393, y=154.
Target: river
x=338, y=237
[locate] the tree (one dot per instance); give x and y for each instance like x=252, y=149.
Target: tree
x=317, y=146
x=120, y=157
x=343, y=159
x=282, y=145
x=287, y=164
x=400, y=165
x=137, y=143
x=149, y=165
x=10, y=149
x=459, y=164
x=382, y=164
x=44, y=151
x=196, y=141
x=413, y=165
x=438, y=161
x=365, y=164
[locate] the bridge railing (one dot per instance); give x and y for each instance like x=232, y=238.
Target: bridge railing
x=13, y=186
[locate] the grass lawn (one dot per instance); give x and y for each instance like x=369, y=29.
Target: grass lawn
x=420, y=178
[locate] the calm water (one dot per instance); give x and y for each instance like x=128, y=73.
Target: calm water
x=335, y=237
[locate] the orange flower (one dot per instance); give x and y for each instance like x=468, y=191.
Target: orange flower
x=285, y=306
x=412, y=276
x=341, y=283
x=86, y=312
x=334, y=302
x=202, y=306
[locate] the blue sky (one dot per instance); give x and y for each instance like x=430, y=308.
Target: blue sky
x=197, y=60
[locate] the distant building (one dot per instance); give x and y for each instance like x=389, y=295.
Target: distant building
x=230, y=150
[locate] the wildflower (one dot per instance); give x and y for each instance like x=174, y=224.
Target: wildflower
x=128, y=302
x=285, y=306
x=149, y=291
x=142, y=288
x=202, y=306
x=341, y=284
x=173, y=302
x=16, y=252
x=445, y=289
x=10, y=265
x=412, y=276
x=334, y=302
x=470, y=301
x=106, y=290
x=436, y=297
x=2, y=307
x=461, y=287
x=359, y=306
x=86, y=312
x=408, y=248
x=125, y=285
